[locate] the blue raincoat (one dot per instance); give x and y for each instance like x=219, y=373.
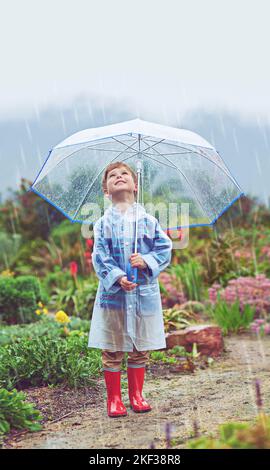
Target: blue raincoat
x=122, y=319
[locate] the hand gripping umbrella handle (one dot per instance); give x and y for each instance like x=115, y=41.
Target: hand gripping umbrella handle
x=132, y=272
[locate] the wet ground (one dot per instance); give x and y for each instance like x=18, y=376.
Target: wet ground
x=224, y=391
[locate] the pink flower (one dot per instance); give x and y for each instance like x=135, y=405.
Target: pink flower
x=254, y=291
x=265, y=253
x=267, y=329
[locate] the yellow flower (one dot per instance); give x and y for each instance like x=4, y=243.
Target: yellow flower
x=40, y=304
x=38, y=312
x=7, y=273
x=45, y=310
x=62, y=317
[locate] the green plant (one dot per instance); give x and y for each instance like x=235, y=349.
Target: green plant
x=178, y=351
x=190, y=276
x=46, y=326
x=219, y=260
x=157, y=355
x=10, y=244
x=19, y=297
x=65, y=234
x=32, y=255
x=178, y=318
x=229, y=317
x=56, y=279
x=15, y=412
x=162, y=357
x=26, y=213
x=48, y=360
x=77, y=299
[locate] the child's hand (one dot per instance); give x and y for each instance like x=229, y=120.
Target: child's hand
x=125, y=284
x=137, y=261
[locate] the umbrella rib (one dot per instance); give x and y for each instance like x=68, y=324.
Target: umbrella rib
x=106, y=150
x=85, y=148
x=151, y=146
x=211, y=161
x=178, y=169
x=127, y=146
x=175, y=144
x=180, y=153
x=89, y=189
x=151, y=158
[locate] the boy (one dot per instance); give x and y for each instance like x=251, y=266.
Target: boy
x=127, y=316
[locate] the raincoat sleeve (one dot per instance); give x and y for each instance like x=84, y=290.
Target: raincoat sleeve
x=106, y=268
x=160, y=256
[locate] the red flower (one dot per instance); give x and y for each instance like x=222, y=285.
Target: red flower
x=73, y=268
x=89, y=243
x=87, y=254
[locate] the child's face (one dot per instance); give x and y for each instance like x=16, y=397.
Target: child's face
x=120, y=179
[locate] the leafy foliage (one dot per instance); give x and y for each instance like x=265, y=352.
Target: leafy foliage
x=190, y=276
x=229, y=317
x=48, y=359
x=15, y=412
x=19, y=297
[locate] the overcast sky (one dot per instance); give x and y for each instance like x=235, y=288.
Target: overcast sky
x=168, y=56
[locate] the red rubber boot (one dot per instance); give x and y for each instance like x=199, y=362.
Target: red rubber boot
x=115, y=406
x=135, y=386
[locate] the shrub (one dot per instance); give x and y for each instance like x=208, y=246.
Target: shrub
x=26, y=213
x=45, y=326
x=32, y=255
x=56, y=279
x=219, y=259
x=18, y=298
x=15, y=412
x=48, y=360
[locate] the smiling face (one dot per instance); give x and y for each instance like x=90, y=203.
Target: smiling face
x=119, y=180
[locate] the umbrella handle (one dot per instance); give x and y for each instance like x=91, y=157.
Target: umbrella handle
x=132, y=272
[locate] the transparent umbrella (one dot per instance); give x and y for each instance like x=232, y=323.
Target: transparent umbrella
x=173, y=166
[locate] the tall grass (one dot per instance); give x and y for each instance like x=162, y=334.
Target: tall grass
x=189, y=275
x=229, y=317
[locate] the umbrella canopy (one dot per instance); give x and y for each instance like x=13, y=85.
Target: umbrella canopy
x=177, y=166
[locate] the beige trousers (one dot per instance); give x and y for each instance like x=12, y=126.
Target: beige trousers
x=112, y=360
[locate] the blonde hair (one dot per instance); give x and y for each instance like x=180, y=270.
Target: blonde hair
x=112, y=166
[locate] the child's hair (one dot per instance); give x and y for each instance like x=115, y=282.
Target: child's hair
x=112, y=166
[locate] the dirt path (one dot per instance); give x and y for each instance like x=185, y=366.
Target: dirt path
x=223, y=392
